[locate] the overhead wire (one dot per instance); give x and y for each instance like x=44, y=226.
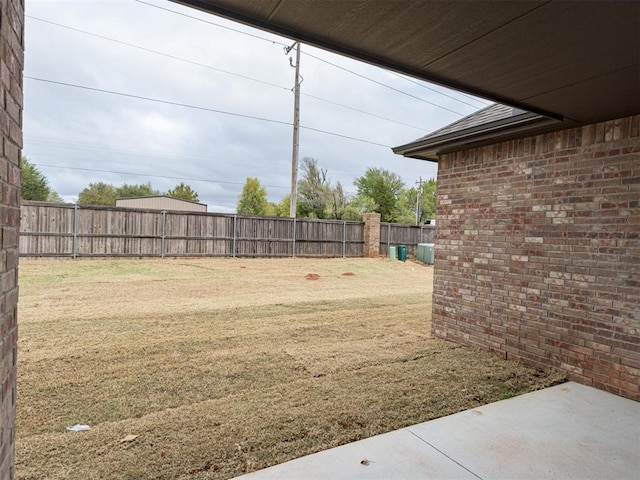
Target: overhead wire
x=305, y=53
x=211, y=23
x=229, y=73
x=196, y=107
x=151, y=175
x=156, y=100
x=220, y=70
x=118, y=150
x=361, y=111
x=146, y=161
x=157, y=52
x=404, y=77
x=384, y=84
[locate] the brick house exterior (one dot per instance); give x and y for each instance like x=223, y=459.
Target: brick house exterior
x=538, y=251
x=11, y=66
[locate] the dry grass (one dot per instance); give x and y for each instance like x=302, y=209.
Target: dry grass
x=223, y=366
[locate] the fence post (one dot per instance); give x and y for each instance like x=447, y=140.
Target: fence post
x=371, y=234
x=388, y=237
x=293, y=251
x=421, y=237
x=235, y=227
x=344, y=239
x=164, y=228
x=74, y=248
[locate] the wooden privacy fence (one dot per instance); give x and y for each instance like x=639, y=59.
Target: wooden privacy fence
x=392, y=234
x=67, y=230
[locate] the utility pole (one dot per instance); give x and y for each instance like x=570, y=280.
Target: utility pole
x=418, y=197
x=296, y=131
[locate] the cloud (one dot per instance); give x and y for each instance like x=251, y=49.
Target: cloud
x=78, y=136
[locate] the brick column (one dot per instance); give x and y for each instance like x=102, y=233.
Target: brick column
x=371, y=234
x=11, y=65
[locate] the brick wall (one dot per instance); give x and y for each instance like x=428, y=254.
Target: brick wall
x=11, y=65
x=538, y=252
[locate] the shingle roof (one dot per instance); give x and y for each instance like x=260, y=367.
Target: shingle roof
x=491, y=122
x=489, y=114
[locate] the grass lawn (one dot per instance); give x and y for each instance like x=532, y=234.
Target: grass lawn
x=224, y=366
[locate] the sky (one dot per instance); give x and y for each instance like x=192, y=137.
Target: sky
x=217, y=107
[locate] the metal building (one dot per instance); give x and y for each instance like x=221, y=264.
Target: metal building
x=161, y=202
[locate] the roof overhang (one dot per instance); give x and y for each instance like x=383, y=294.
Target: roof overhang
x=430, y=147
x=575, y=61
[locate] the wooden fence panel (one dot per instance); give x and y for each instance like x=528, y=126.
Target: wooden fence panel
x=392, y=234
x=318, y=238
x=86, y=231
x=50, y=230
x=354, y=246
x=198, y=234
x=264, y=237
x=118, y=232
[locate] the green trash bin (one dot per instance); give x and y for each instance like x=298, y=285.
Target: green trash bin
x=402, y=253
x=392, y=253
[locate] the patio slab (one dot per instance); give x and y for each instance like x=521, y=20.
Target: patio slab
x=568, y=431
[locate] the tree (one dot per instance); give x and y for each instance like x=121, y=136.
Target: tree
x=54, y=197
x=423, y=198
x=338, y=203
x=428, y=200
x=314, y=190
x=384, y=188
x=100, y=193
x=284, y=206
x=183, y=192
x=357, y=206
x=253, y=199
x=35, y=185
x=140, y=190
x=271, y=210
x=407, y=206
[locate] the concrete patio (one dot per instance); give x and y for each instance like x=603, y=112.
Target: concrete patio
x=569, y=431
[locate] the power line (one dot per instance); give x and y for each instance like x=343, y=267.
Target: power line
x=181, y=59
x=439, y=92
x=285, y=45
x=345, y=136
x=385, y=85
x=212, y=23
x=362, y=111
x=195, y=107
x=174, y=57
x=150, y=175
x=118, y=150
x=156, y=100
x=154, y=163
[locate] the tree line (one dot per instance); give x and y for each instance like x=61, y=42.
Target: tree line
x=35, y=186
x=378, y=190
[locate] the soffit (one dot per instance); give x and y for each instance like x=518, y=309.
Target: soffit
x=570, y=60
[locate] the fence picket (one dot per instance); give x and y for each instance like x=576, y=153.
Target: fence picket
x=59, y=230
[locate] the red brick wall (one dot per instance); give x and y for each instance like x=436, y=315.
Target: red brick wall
x=538, y=252
x=11, y=65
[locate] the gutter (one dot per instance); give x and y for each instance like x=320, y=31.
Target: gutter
x=429, y=148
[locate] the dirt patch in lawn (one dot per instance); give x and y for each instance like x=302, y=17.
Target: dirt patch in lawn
x=220, y=370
